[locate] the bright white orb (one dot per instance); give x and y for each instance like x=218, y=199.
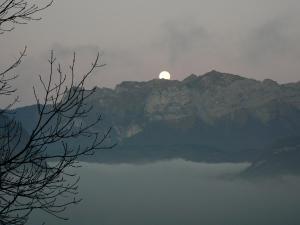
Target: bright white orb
x=165, y=75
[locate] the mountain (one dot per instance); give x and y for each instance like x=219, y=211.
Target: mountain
x=280, y=159
x=212, y=117
x=12, y=135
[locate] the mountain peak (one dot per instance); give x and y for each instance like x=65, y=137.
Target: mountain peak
x=217, y=74
x=218, y=78
x=190, y=78
x=270, y=82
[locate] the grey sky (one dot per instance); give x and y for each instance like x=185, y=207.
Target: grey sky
x=139, y=38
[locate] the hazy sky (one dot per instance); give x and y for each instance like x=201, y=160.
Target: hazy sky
x=139, y=38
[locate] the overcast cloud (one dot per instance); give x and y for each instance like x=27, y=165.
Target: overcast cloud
x=139, y=38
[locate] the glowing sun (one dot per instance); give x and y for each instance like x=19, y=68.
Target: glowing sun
x=165, y=75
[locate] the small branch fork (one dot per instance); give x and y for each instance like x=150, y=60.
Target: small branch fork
x=14, y=12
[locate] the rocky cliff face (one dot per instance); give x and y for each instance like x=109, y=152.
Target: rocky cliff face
x=212, y=117
x=211, y=99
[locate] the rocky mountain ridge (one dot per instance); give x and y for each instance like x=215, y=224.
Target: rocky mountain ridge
x=208, y=98
x=215, y=117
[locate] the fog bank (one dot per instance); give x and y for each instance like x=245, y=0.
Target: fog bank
x=178, y=192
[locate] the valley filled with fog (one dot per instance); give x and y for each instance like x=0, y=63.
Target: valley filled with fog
x=179, y=192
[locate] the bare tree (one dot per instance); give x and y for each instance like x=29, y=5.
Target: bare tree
x=12, y=13
x=32, y=176
x=36, y=168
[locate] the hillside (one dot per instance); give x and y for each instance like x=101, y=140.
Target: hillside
x=211, y=117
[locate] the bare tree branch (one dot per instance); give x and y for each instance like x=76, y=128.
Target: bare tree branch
x=14, y=12
x=35, y=170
